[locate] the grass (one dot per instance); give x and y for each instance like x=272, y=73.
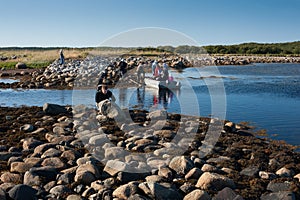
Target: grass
x=36, y=58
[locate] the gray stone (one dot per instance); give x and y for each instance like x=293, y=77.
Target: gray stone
x=51, y=153
x=227, y=193
x=251, y=171
x=181, y=165
x=2, y=194
x=113, y=167
x=161, y=192
x=5, y=156
x=22, y=192
x=194, y=173
x=165, y=173
x=125, y=191
x=115, y=153
x=197, y=195
x=60, y=191
x=54, y=162
x=279, y=196
x=86, y=174
x=54, y=109
x=27, y=128
x=125, y=177
x=39, y=175
x=278, y=187
x=214, y=181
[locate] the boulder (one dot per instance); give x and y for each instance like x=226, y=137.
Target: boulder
x=22, y=192
x=181, y=164
x=21, y=65
x=227, y=193
x=197, y=195
x=162, y=192
x=54, y=109
x=214, y=181
x=125, y=191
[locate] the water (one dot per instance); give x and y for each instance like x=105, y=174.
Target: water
x=266, y=95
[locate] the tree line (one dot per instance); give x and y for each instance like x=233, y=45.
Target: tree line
x=287, y=48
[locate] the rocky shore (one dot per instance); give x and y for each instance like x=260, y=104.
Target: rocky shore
x=60, y=152
x=85, y=73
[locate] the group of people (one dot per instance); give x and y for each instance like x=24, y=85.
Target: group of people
x=159, y=72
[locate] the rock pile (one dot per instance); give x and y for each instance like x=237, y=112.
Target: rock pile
x=66, y=155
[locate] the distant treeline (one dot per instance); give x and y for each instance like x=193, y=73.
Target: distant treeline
x=288, y=48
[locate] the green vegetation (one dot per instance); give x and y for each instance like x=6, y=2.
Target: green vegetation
x=38, y=57
x=288, y=48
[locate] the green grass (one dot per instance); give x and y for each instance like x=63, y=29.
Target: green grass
x=34, y=65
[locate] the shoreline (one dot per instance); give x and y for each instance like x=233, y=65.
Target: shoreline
x=239, y=164
x=56, y=76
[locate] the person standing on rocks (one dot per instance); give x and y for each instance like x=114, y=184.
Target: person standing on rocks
x=154, y=64
x=140, y=73
x=123, y=68
x=61, y=57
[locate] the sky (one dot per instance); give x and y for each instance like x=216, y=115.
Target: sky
x=90, y=23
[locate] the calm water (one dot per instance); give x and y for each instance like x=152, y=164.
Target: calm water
x=266, y=95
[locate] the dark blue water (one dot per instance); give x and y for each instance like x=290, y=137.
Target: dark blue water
x=266, y=95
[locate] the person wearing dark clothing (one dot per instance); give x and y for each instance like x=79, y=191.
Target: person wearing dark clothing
x=103, y=93
x=61, y=57
x=123, y=67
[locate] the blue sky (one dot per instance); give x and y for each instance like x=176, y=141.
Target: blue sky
x=79, y=23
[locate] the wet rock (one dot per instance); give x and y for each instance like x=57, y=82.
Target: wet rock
x=4, y=156
x=60, y=191
x=22, y=192
x=214, y=181
x=30, y=143
x=251, y=171
x=27, y=128
x=161, y=192
x=181, y=165
x=194, y=173
x=54, y=109
x=86, y=174
x=279, y=195
x=278, y=187
x=227, y=193
x=125, y=177
x=125, y=191
x=2, y=194
x=187, y=187
x=197, y=195
x=37, y=176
